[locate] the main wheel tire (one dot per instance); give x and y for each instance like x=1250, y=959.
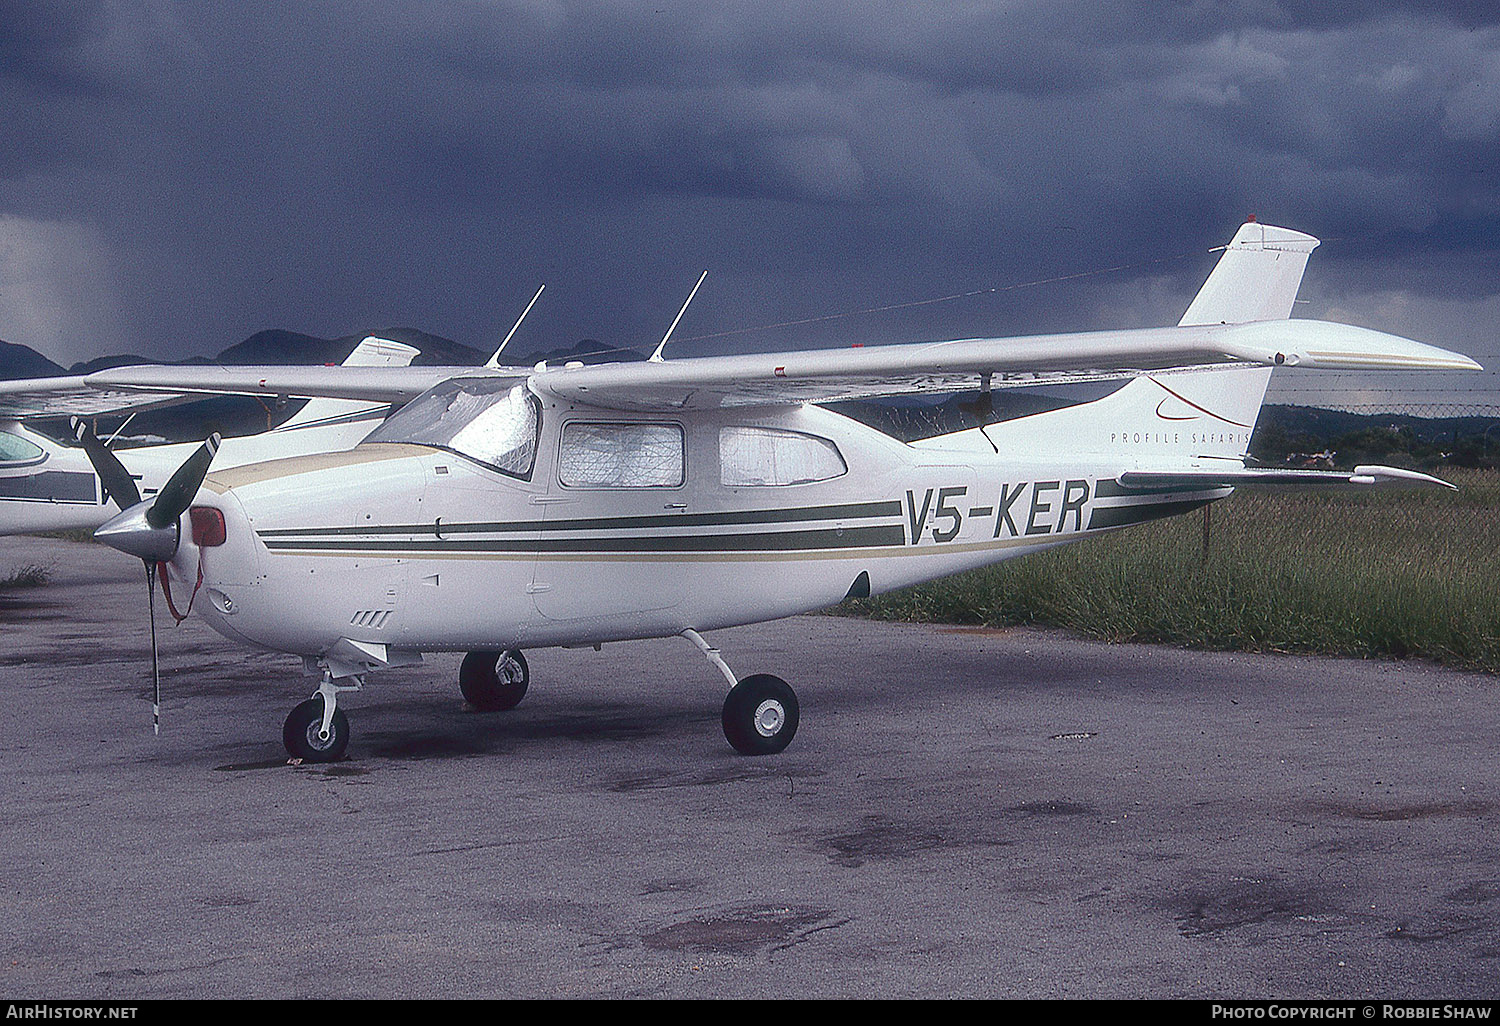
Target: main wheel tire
x=494, y=681
x=303, y=726
x=760, y=715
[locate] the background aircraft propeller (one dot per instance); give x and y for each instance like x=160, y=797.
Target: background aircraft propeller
x=117, y=480
x=152, y=530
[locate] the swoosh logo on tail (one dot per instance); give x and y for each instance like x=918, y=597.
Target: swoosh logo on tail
x=1182, y=399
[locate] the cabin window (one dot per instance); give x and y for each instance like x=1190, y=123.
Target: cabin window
x=493, y=421
x=621, y=455
x=15, y=449
x=773, y=456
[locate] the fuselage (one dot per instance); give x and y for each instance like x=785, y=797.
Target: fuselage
x=729, y=518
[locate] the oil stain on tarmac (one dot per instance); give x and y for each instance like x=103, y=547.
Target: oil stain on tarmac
x=744, y=931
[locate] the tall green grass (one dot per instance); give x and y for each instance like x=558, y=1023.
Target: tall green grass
x=1389, y=574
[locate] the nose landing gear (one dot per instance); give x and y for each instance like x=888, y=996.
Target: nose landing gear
x=317, y=730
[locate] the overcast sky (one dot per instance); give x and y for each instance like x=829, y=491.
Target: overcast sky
x=176, y=176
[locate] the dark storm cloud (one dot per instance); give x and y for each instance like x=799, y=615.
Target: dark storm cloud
x=213, y=170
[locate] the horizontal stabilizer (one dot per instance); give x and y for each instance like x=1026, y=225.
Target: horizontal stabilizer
x=1275, y=477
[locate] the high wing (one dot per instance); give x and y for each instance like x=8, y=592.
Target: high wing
x=762, y=379
x=966, y=364
x=373, y=384
x=72, y=395
x=124, y=389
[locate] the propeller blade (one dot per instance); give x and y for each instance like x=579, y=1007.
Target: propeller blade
x=117, y=480
x=151, y=532
x=155, y=666
x=177, y=494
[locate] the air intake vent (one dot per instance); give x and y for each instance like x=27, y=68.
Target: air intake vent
x=375, y=618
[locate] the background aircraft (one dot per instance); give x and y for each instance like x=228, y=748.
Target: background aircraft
x=49, y=487
x=503, y=509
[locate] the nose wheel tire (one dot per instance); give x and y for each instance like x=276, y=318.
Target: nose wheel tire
x=494, y=681
x=760, y=715
x=302, y=733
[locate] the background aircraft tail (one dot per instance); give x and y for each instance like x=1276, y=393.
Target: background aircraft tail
x=1201, y=411
x=372, y=352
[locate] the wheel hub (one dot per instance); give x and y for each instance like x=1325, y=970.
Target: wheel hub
x=769, y=717
x=316, y=739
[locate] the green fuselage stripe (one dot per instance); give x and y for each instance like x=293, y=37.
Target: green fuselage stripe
x=826, y=538
x=847, y=511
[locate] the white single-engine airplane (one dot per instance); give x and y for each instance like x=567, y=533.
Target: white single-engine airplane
x=502, y=509
x=48, y=487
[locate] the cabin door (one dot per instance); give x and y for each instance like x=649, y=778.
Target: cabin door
x=611, y=531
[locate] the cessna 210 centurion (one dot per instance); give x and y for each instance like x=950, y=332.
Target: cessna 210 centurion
x=506, y=509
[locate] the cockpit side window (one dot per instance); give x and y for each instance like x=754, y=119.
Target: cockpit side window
x=15, y=449
x=495, y=422
x=616, y=455
x=751, y=456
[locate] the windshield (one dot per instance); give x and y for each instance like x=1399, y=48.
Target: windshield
x=492, y=420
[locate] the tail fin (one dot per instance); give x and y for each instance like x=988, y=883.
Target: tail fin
x=1192, y=412
x=1162, y=416
x=372, y=352
x=1256, y=279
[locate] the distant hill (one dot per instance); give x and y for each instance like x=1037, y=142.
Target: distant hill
x=25, y=362
x=1285, y=433
x=273, y=346
x=100, y=363
x=241, y=415
x=588, y=350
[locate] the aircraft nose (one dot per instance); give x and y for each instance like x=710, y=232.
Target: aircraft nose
x=132, y=533
x=218, y=539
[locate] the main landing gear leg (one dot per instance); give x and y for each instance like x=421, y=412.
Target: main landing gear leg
x=760, y=713
x=317, y=730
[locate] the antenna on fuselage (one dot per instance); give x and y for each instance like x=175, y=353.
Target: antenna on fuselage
x=656, y=356
x=494, y=361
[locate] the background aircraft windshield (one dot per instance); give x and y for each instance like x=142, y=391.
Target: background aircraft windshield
x=15, y=449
